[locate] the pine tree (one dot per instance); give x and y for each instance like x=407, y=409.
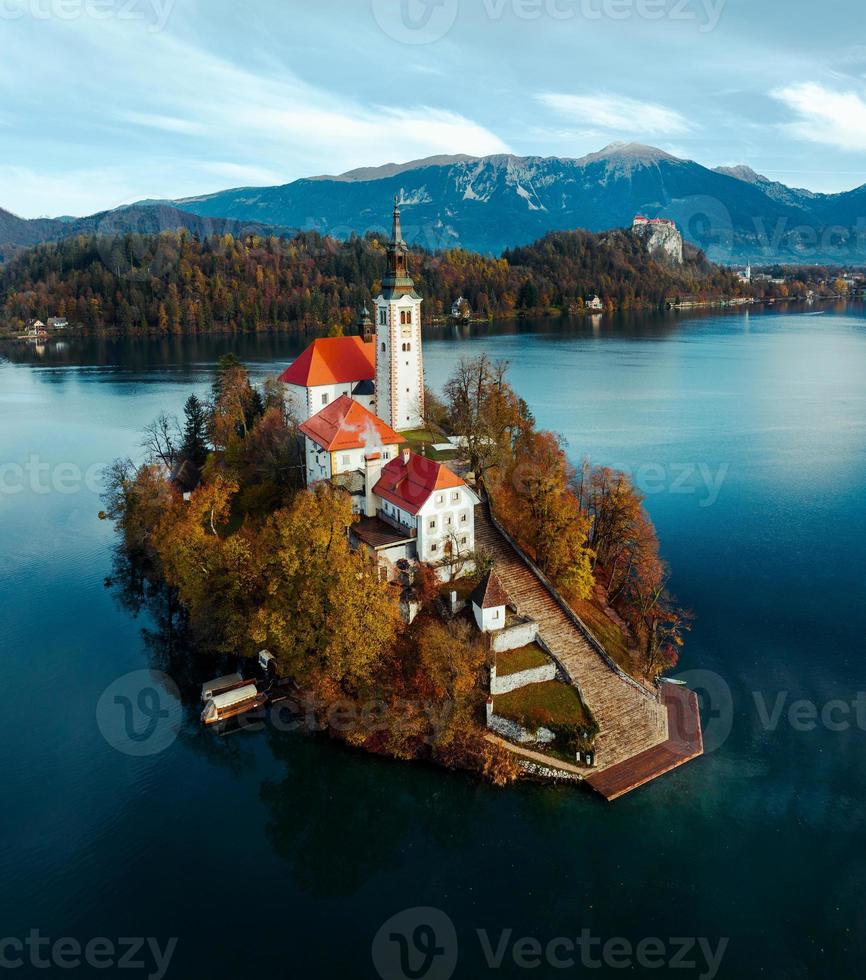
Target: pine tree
x=195, y=427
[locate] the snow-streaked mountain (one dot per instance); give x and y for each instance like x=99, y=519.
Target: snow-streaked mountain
x=491, y=203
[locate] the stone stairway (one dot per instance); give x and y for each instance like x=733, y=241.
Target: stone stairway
x=631, y=718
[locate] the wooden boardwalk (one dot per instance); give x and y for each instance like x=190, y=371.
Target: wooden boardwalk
x=685, y=742
x=632, y=719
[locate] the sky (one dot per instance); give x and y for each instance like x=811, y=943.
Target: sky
x=106, y=102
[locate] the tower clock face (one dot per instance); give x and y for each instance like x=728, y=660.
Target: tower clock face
x=406, y=332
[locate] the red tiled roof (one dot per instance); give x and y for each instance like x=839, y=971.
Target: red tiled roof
x=490, y=593
x=333, y=360
x=409, y=485
x=346, y=424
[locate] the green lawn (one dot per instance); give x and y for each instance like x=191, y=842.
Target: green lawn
x=550, y=703
x=422, y=441
x=523, y=658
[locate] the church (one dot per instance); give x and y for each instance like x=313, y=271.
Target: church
x=354, y=396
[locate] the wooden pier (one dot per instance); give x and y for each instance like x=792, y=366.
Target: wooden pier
x=684, y=743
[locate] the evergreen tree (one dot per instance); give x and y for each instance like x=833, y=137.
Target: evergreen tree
x=194, y=446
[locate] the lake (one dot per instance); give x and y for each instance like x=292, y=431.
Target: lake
x=277, y=854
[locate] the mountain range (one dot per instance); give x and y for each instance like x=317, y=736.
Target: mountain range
x=489, y=204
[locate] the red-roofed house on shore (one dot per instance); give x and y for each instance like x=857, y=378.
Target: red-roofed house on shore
x=429, y=500
x=328, y=368
x=346, y=440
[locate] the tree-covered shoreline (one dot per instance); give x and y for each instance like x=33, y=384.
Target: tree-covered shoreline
x=175, y=283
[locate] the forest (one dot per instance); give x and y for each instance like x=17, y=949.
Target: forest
x=176, y=283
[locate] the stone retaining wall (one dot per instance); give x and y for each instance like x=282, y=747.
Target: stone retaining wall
x=513, y=682
x=519, y=635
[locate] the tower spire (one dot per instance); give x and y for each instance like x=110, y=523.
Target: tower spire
x=397, y=276
x=396, y=231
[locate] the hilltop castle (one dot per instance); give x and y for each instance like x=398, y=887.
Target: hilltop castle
x=354, y=396
x=663, y=238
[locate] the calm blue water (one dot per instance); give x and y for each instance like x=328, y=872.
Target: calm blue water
x=273, y=854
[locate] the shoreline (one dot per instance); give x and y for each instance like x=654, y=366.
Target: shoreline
x=728, y=305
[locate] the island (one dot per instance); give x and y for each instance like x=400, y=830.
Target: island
x=427, y=574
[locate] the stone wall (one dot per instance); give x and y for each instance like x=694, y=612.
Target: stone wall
x=516, y=733
x=513, y=682
x=515, y=636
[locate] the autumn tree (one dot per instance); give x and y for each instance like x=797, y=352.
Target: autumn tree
x=536, y=501
x=161, y=441
x=483, y=412
x=235, y=402
x=323, y=608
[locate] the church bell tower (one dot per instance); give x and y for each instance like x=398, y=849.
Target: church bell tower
x=399, y=362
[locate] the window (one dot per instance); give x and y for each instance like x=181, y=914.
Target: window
x=440, y=498
x=408, y=315
x=325, y=398
x=462, y=518
x=347, y=460
x=495, y=614
x=464, y=540
x=383, y=318
x=455, y=496
x=433, y=524
x=434, y=548
x=383, y=348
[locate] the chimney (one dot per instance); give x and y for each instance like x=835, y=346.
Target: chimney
x=373, y=463
x=406, y=454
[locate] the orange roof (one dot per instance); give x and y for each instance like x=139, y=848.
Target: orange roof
x=333, y=360
x=409, y=485
x=346, y=424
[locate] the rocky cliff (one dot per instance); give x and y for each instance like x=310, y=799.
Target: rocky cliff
x=663, y=240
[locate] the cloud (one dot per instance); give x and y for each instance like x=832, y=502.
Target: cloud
x=170, y=112
x=618, y=113
x=241, y=173
x=825, y=116
x=168, y=124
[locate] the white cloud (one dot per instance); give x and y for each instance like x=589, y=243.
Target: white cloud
x=826, y=116
x=617, y=113
x=178, y=110
x=168, y=124
x=240, y=173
